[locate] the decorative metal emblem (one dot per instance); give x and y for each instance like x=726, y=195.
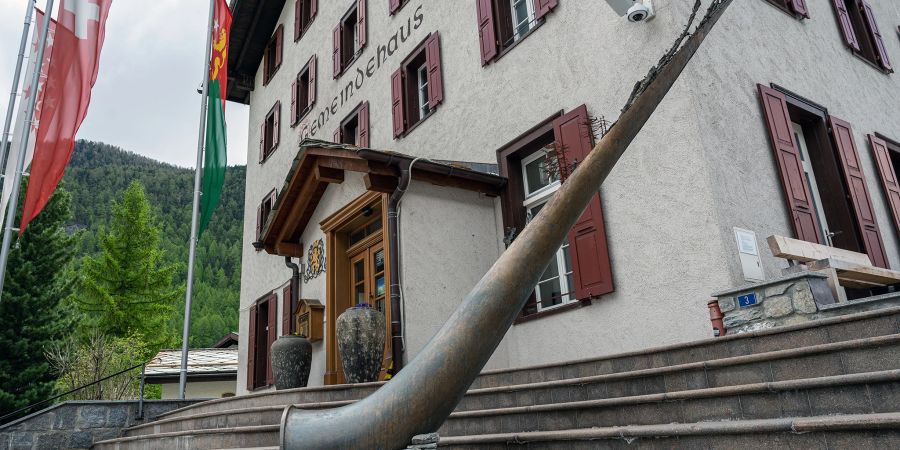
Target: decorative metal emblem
x=315, y=261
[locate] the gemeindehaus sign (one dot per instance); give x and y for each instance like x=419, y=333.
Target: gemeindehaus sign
x=314, y=123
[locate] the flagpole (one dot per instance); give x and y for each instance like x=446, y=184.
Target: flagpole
x=197, y=173
x=10, y=108
x=23, y=146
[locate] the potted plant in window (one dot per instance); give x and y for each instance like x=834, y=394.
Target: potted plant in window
x=291, y=361
x=360, y=336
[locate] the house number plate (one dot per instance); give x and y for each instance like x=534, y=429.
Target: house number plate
x=747, y=300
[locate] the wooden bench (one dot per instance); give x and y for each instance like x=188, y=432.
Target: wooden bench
x=843, y=267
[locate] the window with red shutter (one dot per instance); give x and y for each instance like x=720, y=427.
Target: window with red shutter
x=312, y=71
x=270, y=132
x=361, y=32
x=262, y=141
x=354, y=129
x=304, y=13
x=251, y=350
x=842, y=135
x=336, y=52
x=789, y=161
x=504, y=23
x=364, y=126
x=888, y=162
x=487, y=32
x=262, y=212
x=273, y=54
x=797, y=8
x=287, y=311
x=856, y=19
x=417, y=88
x=349, y=37
x=303, y=92
x=272, y=334
x=276, y=126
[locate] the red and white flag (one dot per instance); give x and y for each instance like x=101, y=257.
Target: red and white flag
x=72, y=73
x=19, y=132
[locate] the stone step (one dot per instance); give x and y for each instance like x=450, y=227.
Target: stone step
x=857, y=431
x=874, y=392
x=222, y=438
x=848, y=357
x=830, y=330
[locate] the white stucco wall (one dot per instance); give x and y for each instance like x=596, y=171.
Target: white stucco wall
x=701, y=166
x=200, y=389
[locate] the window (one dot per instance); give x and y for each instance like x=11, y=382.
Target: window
x=823, y=183
x=261, y=337
x=795, y=8
x=857, y=22
x=262, y=213
x=417, y=87
x=270, y=132
x=273, y=54
x=503, y=23
x=887, y=158
x=304, y=13
x=581, y=269
x=354, y=130
x=395, y=5
x=303, y=91
x=349, y=37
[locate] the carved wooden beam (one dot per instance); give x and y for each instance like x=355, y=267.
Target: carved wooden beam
x=421, y=397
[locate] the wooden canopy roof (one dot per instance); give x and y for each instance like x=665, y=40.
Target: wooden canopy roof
x=320, y=163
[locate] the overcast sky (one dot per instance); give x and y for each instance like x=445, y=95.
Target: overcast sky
x=145, y=98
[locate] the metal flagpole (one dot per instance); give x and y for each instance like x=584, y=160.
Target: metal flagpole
x=23, y=145
x=10, y=109
x=197, y=174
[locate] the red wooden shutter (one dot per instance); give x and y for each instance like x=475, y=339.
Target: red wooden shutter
x=875, y=33
x=393, y=6
x=294, y=109
x=298, y=8
x=279, y=45
x=267, y=54
x=591, y=266
x=433, y=62
x=888, y=176
x=336, y=54
x=363, y=125
x=262, y=141
x=313, y=8
x=312, y=81
x=799, y=7
x=842, y=134
x=397, y=102
x=259, y=221
x=843, y=16
x=542, y=7
x=251, y=351
x=271, y=328
x=361, y=23
x=338, y=134
x=272, y=197
x=790, y=167
x=276, y=126
x=286, y=313
x=487, y=31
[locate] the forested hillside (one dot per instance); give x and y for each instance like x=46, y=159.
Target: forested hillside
x=99, y=173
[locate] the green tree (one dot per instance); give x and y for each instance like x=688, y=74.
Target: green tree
x=128, y=288
x=32, y=313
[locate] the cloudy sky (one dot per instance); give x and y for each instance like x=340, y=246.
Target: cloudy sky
x=145, y=98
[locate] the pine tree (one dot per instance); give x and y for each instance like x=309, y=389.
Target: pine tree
x=33, y=316
x=128, y=287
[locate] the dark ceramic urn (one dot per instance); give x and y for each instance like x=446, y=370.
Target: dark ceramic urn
x=360, y=336
x=291, y=360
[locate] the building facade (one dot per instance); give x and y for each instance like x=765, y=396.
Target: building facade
x=783, y=124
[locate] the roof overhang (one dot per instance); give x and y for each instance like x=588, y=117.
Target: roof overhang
x=320, y=163
x=253, y=22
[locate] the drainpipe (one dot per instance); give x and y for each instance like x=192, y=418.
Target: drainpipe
x=397, y=349
x=295, y=284
x=716, y=316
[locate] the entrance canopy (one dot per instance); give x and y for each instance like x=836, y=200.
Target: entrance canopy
x=320, y=163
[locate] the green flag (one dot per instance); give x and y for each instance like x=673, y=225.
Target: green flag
x=215, y=159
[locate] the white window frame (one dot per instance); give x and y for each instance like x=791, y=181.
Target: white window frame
x=535, y=199
x=811, y=183
x=422, y=90
x=529, y=8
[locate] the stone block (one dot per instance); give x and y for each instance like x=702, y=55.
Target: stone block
x=82, y=439
x=90, y=416
x=429, y=438
x=54, y=439
x=66, y=416
x=803, y=299
x=727, y=304
x=775, y=307
x=742, y=317
x=22, y=441
x=43, y=422
x=119, y=416
x=778, y=289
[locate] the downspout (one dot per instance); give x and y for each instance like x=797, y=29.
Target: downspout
x=397, y=346
x=295, y=284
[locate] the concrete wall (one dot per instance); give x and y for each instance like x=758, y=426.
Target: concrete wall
x=200, y=389
x=702, y=165
x=78, y=424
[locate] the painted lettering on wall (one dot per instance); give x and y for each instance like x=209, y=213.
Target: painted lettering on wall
x=357, y=79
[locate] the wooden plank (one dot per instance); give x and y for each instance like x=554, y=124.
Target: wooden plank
x=328, y=174
x=797, y=250
x=380, y=183
x=865, y=275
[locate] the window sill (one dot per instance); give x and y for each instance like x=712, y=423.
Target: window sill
x=549, y=312
x=302, y=115
x=508, y=49
x=416, y=125
x=868, y=61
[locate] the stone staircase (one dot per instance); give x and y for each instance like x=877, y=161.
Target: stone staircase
x=832, y=383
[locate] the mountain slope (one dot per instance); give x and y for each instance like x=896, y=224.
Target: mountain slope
x=99, y=173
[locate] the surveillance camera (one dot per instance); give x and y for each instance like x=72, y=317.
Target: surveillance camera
x=640, y=12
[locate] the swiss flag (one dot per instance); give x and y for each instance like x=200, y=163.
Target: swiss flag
x=72, y=74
